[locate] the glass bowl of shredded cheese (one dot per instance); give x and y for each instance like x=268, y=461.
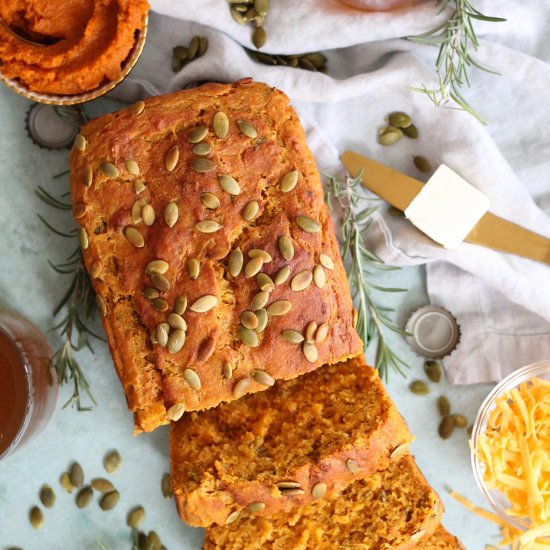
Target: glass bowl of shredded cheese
x=511, y=452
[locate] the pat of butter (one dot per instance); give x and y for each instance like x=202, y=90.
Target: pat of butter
x=447, y=208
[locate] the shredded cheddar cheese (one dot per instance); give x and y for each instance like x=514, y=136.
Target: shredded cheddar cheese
x=515, y=449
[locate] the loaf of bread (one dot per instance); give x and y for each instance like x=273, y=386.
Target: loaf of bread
x=442, y=540
x=212, y=253
x=393, y=509
x=300, y=440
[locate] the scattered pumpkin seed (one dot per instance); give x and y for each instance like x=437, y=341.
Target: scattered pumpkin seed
x=203, y=46
x=240, y=387
x=134, y=236
x=264, y=282
x=253, y=267
x=101, y=304
x=229, y=184
x=203, y=165
x=84, y=496
x=307, y=224
x=171, y=214
x=175, y=412
x=443, y=405
x=410, y=131
x=76, y=475
x=193, y=47
x=161, y=335
x=309, y=333
x=318, y=490
x=321, y=333
x=180, y=305
x=262, y=316
x=319, y=277
x=193, y=268
x=166, y=486
x=208, y=226
x=132, y=166
x=263, y=378
x=259, y=37
x=301, y=280
x=109, y=500
x=279, y=307
x=202, y=149
x=310, y=352
x=352, y=466
x=47, y=495
x=109, y=169
x=433, y=370
x=446, y=427
x=248, y=337
x=137, y=108
x=256, y=507
x=102, y=485
x=36, y=517
x=259, y=300
x=389, y=136
x=261, y=6
x=65, y=482
x=233, y=516
x=286, y=248
x=181, y=53
x=227, y=370
x=160, y=282
x=235, y=262
x=419, y=388
x=282, y=275
x=247, y=129
x=250, y=210
x=159, y=304
x=83, y=238
x=198, y=134
x=135, y=517
x=399, y=451
x=177, y=321
x=192, y=378
x=210, y=201
x=171, y=158
x=292, y=336
x=220, y=124
x=80, y=142
x=112, y=461
x=289, y=181
x=399, y=119
x=204, y=303
x=176, y=340
x=139, y=186
x=422, y=163
x=87, y=175
x=249, y=320
x=460, y=420
x=148, y=215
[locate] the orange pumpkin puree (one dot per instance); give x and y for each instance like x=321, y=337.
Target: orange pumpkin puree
x=88, y=42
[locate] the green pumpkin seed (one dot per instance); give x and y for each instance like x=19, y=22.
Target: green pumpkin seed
x=171, y=158
x=419, y=388
x=400, y=120
x=280, y=307
x=247, y=129
x=80, y=142
x=208, y=226
x=256, y=507
x=166, y=486
x=446, y=427
x=204, y=303
x=310, y=352
x=157, y=266
x=112, y=461
x=177, y=321
x=433, y=371
x=139, y=186
x=180, y=305
x=317, y=59
x=263, y=378
x=292, y=492
x=135, y=517
x=264, y=282
x=109, y=169
x=301, y=280
x=259, y=300
x=318, y=490
x=240, y=388
x=192, y=378
x=309, y=333
x=137, y=207
x=159, y=304
x=202, y=149
x=171, y=214
x=235, y=262
x=260, y=253
x=203, y=46
x=259, y=37
x=181, y=53
x=137, y=108
x=389, y=136
x=282, y=275
x=250, y=210
x=198, y=134
x=83, y=238
x=248, y=337
x=109, y=500
x=307, y=224
x=289, y=181
x=232, y=517
x=160, y=282
x=253, y=267
x=322, y=333
x=153, y=541
x=238, y=18
x=65, y=482
x=286, y=248
x=262, y=316
x=352, y=466
x=411, y=131
x=422, y=163
x=460, y=420
x=176, y=340
x=175, y=412
x=227, y=370
x=84, y=496
x=132, y=166
x=47, y=496
x=326, y=261
x=76, y=475
x=36, y=517
x=261, y=6
x=319, y=277
x=203, y=165
x=292, y=336
x=102, y=485
x=210, y=201
x=134, y=236
x=288, y=485
x=161, y=335
x=101, y=304
x=221, y=122
x=148, y=215
x=193, y=268
x=229, y=184
x=249, y=320
x=87, y=175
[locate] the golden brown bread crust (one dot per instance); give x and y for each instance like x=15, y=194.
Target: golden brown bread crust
x=442, y=540
x=153, y=379
x=392, y=509
x=303, y=430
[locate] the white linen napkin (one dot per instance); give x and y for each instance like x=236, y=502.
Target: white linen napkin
x=502, y=302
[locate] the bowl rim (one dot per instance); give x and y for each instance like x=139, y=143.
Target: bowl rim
x=513, y=380
x=75, y=99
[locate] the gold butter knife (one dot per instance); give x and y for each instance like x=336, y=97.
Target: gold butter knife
x=490, y=231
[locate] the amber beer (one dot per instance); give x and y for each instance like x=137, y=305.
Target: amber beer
x=28, y=386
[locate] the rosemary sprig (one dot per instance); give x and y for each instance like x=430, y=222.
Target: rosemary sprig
x=343, y=197
x=79, y=303
x=455, y=38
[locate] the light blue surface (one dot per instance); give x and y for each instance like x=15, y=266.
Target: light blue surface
x=29, y=286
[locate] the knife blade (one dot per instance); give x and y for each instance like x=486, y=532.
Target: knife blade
x=491, y=231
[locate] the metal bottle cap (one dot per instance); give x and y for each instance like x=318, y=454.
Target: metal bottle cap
x=47, y=129
x=433, y=332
